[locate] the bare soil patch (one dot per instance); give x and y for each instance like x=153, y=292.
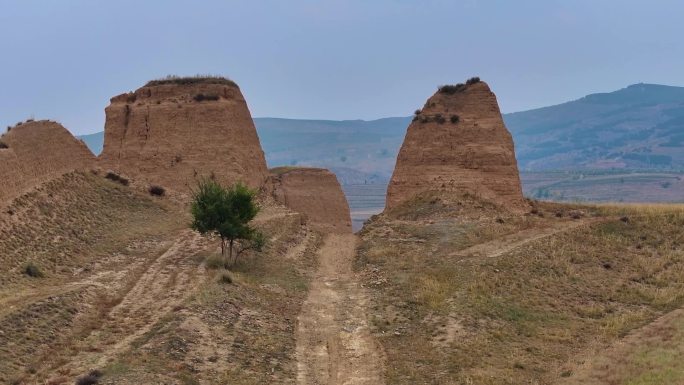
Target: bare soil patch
x=334, y=343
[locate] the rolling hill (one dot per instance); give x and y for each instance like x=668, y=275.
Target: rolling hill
x=641, y=126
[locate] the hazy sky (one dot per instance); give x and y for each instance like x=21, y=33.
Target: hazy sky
x=337, y=59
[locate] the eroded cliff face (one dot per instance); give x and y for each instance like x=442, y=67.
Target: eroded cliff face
x=171, y=133
x=36, y=152
x=314, y=192
x=458, y=143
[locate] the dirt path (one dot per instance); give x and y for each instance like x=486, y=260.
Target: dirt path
x=500, y=246
x=164, y=284
x=334, y=344
x=652, y=352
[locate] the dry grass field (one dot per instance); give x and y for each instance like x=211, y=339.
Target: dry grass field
x=463, y=293
x=102, y=282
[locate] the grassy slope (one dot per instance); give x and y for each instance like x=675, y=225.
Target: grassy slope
x=83, y=231
x=73, y=220
x=239, y=332
x=652, y=355
x=522, y=316
x=66, y=228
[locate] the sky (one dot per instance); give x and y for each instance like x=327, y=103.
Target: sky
x=330, y=59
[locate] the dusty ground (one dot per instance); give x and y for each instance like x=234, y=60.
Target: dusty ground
x=442, y=292
x=162, y=286
x=651, y=355
x=334, y=343
x=466, y=294
x=143, y=306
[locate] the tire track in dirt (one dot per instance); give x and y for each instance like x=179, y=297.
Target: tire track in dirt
x=500, y=246
x=334, y=343
x=164, y=284
x=607, y=365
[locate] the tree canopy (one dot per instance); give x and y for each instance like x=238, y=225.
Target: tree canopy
x=226, y=212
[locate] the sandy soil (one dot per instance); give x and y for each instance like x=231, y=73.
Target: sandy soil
x=503, y=245
x=334, y=344
x=649, y=354
x=165, y=284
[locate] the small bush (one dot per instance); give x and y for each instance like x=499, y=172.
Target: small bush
x=576, y=214
x=624, y=219
x=225, y=277
x=451, y=89
x=417, y=112
x=440, y=119
x=216, y=262
x=3, y=145
x=29, y=120
x=473, y=80
x=454, y=119
x=157, y=190
x=111, y=175
x=198, y=79
x=96, y=373
x=88, y=379
x=32, y=271
x=203, y=97
x=91, y=378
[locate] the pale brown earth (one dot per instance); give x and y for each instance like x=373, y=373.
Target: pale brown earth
x=164, y=135
x=464, y=293
x=163, y=285
x=36, y=152
x=474, y=155
x=313, y=192
x=507, y=243
x=144, y=307
x=132, y=296
x=653, y=354
x=334, y=342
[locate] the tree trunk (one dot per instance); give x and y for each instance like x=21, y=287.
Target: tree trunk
x=230, y=251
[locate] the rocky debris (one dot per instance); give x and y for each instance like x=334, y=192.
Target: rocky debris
x=171, y=132
x=373, y=276
x=458, y=143
x=313, y=192
x=35, y=152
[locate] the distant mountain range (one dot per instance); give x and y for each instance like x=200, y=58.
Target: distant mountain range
x=638, y=127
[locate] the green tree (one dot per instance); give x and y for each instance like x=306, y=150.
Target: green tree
x=226, y=213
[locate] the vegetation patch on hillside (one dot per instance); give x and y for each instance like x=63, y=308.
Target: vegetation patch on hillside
x=238, y=327
x=190, y=80
x=522, y=308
